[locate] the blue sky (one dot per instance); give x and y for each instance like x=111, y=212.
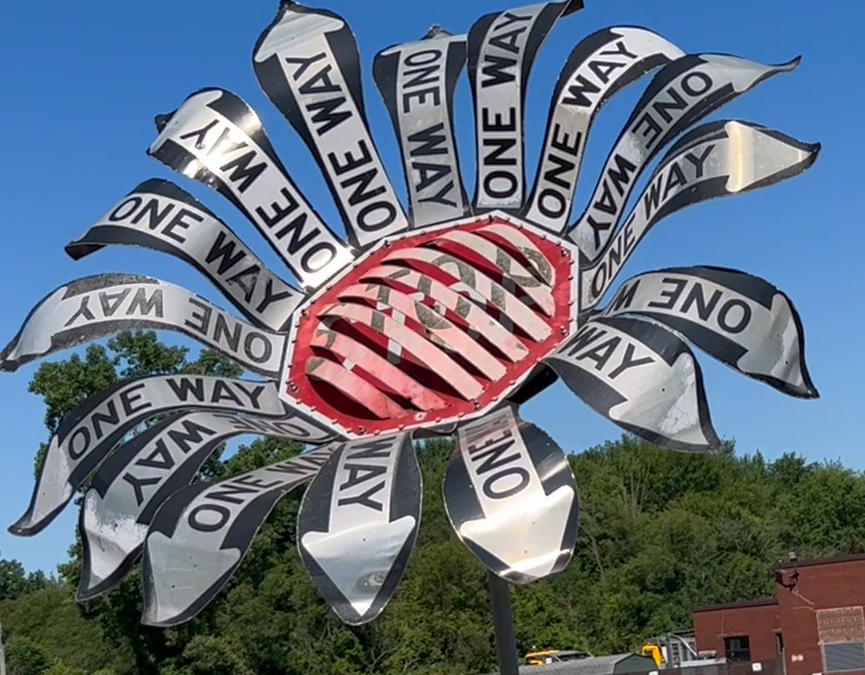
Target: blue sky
x=82, y=81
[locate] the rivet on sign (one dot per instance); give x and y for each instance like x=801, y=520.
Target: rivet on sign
x=564, y=330
x=361, y=431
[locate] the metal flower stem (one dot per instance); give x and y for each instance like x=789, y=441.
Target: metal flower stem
x=503, y=623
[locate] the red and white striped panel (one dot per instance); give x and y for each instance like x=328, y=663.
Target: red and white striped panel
x=432, y=326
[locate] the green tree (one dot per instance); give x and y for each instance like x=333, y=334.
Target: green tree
x=208, y=655
x=25, y=656
x=66, y=384
x=50, y=620
x=660, y=532
x=15, y=582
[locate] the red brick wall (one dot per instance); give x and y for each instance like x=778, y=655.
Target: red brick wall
x=801, y=593
x=826, y=586
x=711, y=626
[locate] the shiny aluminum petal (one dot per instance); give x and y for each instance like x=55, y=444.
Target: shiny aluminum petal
x=501, y=51
x=600, y=66
x=307, y=63
x=358, y=523
x=719, y=159
x=643, y=378
x=160, y=216
x=90, y=308
x=88, y=434
x=137, y=478
x=417, y=81
x=199, y=537
x=741, y=320
x=680, y=95
x=511, y=497
x=217, y=139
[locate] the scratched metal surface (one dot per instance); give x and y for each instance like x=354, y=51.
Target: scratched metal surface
x=431, y=318
x=433, y=326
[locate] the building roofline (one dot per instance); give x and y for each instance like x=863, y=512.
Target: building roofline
x=832, y=560
x=768, y=602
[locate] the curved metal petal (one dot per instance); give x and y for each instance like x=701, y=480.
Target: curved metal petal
x=161, y=216
x=417, y=81
x=358, y=524
x=87, y=435
x=90, y=308
x=200, y=535
x=714, y=160
x=739, y=319
x=140, y=475
x=307, y=63
x=501, y=51
x=642, y=377
x=600, y=66
x=511, y=497
x=680, y=95
x=218, y=140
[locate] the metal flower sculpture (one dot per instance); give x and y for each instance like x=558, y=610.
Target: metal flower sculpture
x=438, y=318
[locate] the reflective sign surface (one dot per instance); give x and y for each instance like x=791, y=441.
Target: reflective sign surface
x=511, y=497
x=358, y=523
x=438, y=316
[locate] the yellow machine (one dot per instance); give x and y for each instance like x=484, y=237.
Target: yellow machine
x=654, y=652
x=553, y=656
x=651, y=650
x=539, y=658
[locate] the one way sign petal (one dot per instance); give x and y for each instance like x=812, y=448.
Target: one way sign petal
x=358, y=524
x=511, y=497
x=642, y=377
x=739, y=319
x=434, y=317
x=200, y=535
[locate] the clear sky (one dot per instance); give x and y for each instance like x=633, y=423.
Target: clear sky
x=81, y=82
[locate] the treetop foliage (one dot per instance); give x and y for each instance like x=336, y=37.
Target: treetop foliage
x=660, y=533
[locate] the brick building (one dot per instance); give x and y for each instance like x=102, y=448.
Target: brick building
x=814, y=625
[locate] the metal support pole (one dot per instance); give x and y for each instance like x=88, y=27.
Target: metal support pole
x=2, y=654
x=503, y=622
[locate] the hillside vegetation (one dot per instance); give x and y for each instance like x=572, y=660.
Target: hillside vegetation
x=660, y=533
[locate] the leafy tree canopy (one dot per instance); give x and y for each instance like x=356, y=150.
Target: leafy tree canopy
x=660, y=532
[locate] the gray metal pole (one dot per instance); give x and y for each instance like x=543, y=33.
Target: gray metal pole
x=2, y=654
x=503, y=622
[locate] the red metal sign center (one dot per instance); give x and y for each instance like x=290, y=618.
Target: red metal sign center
x=433, y=326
